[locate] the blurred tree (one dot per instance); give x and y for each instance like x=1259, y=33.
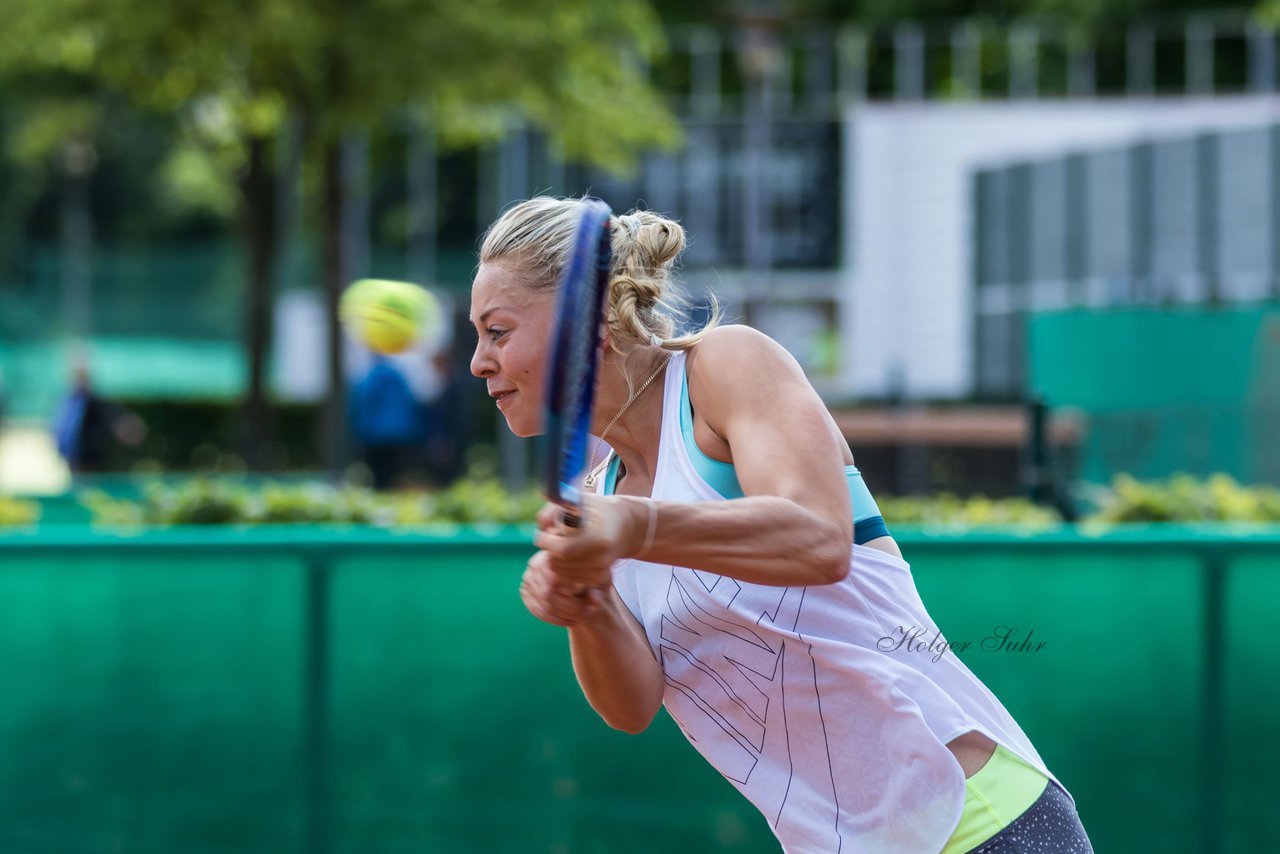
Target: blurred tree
x=242, y=71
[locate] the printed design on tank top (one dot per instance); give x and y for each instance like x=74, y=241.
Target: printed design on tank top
x=740, y=681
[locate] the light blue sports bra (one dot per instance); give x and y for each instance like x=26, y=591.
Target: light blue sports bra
x=868, y=524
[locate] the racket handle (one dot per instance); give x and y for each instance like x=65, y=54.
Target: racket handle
x=573, y=518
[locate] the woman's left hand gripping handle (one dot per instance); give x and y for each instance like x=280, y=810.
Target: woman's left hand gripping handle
x=566, y=582
x=554, y=600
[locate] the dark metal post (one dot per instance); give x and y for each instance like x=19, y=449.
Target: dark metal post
x=315, y=723
x=1036, y=454
x=1211, y=739
x=1039, y=477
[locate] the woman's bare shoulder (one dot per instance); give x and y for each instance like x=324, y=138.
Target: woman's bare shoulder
x=735, y=348
x=737, y=368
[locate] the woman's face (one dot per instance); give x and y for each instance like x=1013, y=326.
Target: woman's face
x=514, y=326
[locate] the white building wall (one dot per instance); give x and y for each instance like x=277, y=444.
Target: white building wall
x=905, y=316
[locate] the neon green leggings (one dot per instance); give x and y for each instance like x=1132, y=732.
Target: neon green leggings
x=1001, y=791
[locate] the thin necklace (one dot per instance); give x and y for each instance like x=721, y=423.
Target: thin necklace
x=589, y=482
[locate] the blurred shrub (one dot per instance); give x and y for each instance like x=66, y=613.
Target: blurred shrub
x=1184, y=498
x=17, y=512
x=480, y=498
x=208, y=501
x=313, y=503
x=974, y=512
x=471, y=500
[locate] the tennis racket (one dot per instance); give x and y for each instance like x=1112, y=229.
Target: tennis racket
x=573, y=359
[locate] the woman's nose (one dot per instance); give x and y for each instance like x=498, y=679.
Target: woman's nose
x=481, y=365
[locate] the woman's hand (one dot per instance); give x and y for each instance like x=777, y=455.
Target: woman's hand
x=586, y=554
x=554, y=599
x=569, y=583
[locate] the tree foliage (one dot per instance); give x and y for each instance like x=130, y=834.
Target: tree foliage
x=569, y=66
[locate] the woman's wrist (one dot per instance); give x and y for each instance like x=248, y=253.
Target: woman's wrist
x=651, y=527
x=600, y=621
x=641, y=526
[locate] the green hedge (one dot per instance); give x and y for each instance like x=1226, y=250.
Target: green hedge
x=974, y=512
x=207, y=501
x=1184, y=498
x=480, y=498
x=18, y=512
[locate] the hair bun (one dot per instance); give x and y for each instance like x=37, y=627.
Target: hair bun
x=535, y=238
x=632, y=223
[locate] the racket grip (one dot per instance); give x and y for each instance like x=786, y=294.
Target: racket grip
x=572, y=518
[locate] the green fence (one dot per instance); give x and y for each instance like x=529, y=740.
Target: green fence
x=1165, y=389
x=307, y=690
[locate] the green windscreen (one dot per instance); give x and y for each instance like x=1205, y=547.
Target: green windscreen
x=1165, y=390
x=359, y=691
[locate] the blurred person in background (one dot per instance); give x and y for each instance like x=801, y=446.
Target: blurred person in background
x=444, y=419
x=388, y=421
x=88, y=428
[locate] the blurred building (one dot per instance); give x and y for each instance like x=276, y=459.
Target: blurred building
x=987, y=179
x=897, y=205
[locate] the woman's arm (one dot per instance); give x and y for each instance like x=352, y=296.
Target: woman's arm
x=794, y=524
x=615, y=666
x=759, y=539
x=611, y=656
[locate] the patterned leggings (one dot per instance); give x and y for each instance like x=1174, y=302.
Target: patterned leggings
x=1049, y=826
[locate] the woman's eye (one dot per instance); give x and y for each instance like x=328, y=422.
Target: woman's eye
x=495, y=334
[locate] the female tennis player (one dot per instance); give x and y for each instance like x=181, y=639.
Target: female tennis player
x=733, y=567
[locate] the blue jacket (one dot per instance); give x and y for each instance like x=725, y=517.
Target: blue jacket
x=384, y=410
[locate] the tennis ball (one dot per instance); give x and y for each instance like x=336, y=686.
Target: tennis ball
x=387, y=316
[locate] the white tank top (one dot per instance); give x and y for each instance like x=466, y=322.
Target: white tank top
x=794, y=696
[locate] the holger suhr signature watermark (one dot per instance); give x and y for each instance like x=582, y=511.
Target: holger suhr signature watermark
x=917, y=639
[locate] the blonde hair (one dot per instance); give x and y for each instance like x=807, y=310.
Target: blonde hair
x=642, y=307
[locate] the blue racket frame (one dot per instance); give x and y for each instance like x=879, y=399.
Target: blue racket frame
x=574, y=358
